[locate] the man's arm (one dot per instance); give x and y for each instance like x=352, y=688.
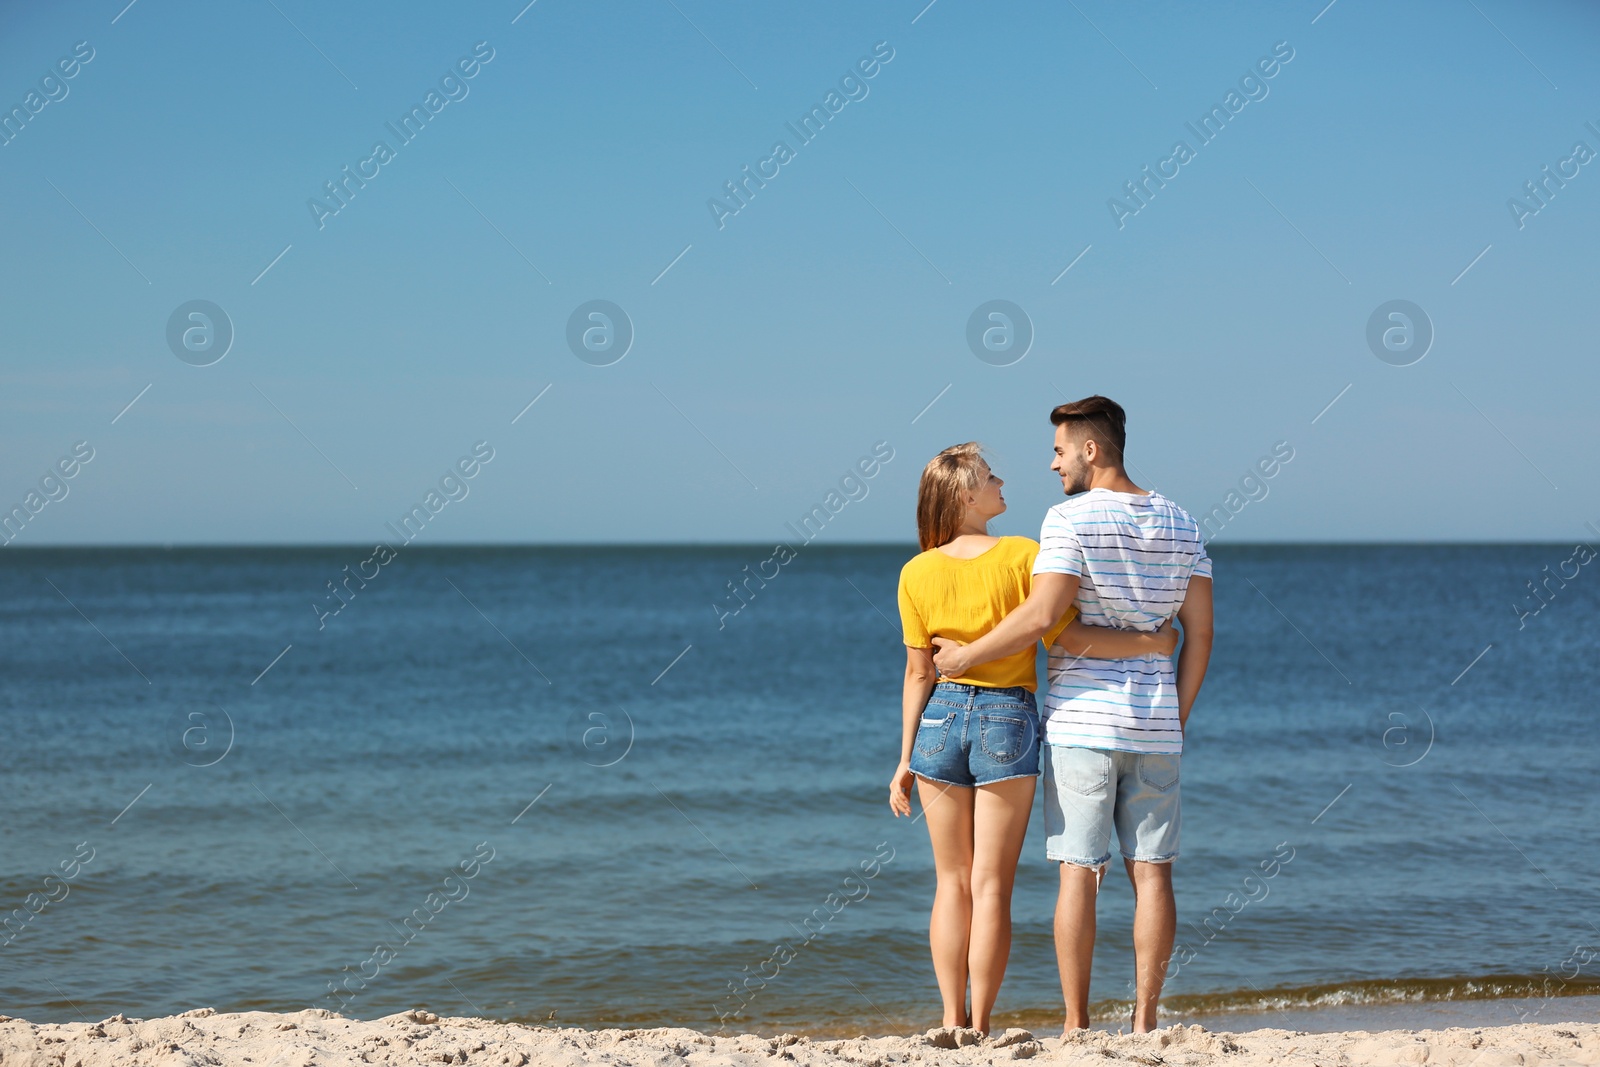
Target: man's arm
x=1195, y=618
x=1049, y=598
x=1083, y=641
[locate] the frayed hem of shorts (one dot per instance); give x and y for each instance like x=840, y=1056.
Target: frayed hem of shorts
x=943, y=781
x=972, y=785
x=1009, y=778
x=1159, y=859
x=1080, y=863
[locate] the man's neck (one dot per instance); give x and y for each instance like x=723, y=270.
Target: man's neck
x=1117, y=481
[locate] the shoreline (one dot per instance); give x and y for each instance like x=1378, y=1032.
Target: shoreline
x=314, y=1036
x=1468, y=1012
x=1366, y=1006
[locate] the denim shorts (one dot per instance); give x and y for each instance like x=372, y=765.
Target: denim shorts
x=975, y=735
x=1091, y=790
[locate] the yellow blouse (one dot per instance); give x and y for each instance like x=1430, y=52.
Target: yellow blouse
x=963, y=599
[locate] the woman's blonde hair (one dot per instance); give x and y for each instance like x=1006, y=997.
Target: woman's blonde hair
x=947, y=476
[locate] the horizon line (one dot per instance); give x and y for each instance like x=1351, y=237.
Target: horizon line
x=758, y=544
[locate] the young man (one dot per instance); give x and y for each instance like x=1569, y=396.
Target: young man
x=1131, y=559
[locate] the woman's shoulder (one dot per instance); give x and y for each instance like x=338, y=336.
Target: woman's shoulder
x=1006, y=550
x=1020, y=545
x=1016, y=554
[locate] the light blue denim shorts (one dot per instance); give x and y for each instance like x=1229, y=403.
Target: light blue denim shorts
x=974, y=735
x=1090, y=790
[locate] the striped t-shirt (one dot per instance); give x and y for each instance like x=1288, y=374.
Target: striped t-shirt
x=1134, y=554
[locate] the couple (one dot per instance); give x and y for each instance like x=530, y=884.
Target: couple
x=1114, y=564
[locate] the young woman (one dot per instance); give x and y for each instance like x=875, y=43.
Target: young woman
x=972, y=743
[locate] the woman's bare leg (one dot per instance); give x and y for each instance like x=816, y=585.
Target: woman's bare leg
x=948, y=810
x=1000, y=822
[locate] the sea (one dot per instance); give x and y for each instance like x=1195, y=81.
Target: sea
x=595, y=786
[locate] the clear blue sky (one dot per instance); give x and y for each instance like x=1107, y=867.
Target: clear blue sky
x=824, y=316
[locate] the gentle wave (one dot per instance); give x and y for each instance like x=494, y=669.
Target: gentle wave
x=1360, y=993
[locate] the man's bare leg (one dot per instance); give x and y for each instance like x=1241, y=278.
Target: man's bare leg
x=1074, y=930
x=1155, y=923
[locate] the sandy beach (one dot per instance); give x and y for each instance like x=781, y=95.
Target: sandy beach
x=315, y=1036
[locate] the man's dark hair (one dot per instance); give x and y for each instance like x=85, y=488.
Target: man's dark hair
x=1098, y=417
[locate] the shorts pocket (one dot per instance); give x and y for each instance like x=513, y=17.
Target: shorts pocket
x=1159, y=772
x=1084, y=771
x=932, y=733
x=1005, y=736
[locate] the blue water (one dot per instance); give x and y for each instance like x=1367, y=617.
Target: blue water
x=700, y=792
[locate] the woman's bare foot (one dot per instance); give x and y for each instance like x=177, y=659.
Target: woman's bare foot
x=952, y=1037
x=1012, y=1036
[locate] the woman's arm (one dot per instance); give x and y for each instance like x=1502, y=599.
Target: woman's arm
x=1106, y=642
x=920, y=680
